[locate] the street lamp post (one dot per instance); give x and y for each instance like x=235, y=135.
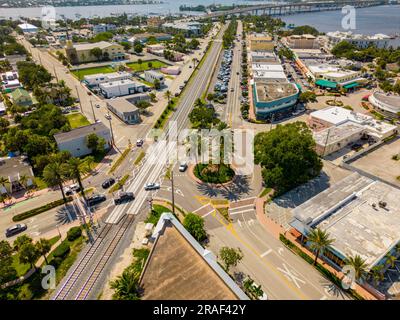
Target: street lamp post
x=111, y=129
x=80, y=102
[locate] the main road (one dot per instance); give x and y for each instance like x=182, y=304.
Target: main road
x=86, y=274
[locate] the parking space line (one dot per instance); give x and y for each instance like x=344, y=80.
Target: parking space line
x=243, y=211
x=266, y=253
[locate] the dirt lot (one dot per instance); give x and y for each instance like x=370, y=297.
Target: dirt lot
x=380, y=163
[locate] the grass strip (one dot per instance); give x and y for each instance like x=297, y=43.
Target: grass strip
x=119, y=160
x=139, y=158
x=119, y=184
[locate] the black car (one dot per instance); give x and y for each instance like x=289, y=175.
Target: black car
x=124, y=196
x=108, y=183
x=18, y=228
x=95, y=199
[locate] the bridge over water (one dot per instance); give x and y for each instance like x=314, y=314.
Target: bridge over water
x=300, y=7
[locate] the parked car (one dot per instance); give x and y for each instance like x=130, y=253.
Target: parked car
x=151, y=186
x=183, y=166
x=97, y=105
x=139, y=143
x=69, y=190
x=18, y=228
x=95, y=199
x=108, y=183
x=124, y=197
x=107, y=116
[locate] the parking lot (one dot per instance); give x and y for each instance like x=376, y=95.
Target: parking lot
x=380, y=163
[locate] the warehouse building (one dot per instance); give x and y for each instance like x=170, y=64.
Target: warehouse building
x=121, y=88
x=93, y=80
x=124, y=110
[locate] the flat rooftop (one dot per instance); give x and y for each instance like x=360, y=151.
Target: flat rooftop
x=120, y=83
x=335, y=134
x=346, y=212
x=122, y=105
x=269, y=74
x=178, y=269
x=272, y=91
x=262, y=66
x=111, y=75
x=391, y=100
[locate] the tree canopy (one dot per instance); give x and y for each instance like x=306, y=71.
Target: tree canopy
x=287, y=156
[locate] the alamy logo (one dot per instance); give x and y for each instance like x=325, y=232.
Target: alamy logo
x=49, y=280
x=349, y=18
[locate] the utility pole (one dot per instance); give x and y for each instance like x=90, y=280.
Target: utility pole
x=112, y=133
x=55, y=73
x=326, y=141
x=80, y=102
x=94, y=116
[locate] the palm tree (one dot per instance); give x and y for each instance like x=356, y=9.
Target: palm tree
x=359, y=266
x=54, y=174
x=168, y=95
x=319, y=242
x=23, y=179
x=390, y=260
x=43, y=246
x=4, y=182
x=376, y=274
x=126, y=286
x=89, y=160
x=75, y=168
x=28, y=253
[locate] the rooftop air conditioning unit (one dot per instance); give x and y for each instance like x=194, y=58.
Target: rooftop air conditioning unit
x=382, y=204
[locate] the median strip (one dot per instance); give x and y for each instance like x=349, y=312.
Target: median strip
x=119, y=160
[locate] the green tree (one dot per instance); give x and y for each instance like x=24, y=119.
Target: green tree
x=359, y=265
x=75, y=168
x=138, y=47
x=7, y=271
x=390, y=260
x=20, y=241
x=287, y=156
x=142, y=105
x=195, y=225
x=4, y=182
x=92, y=142
x=376, y=274
x=43, y=246
x=126, y=286
x=96, y=52
x=319, y=242
x=307, y=96
x=230, y=257
x=168, y=95
x=54, y=174
x=28, y=253
x=157, y=84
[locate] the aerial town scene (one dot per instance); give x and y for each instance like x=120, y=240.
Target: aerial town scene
x=200, y=150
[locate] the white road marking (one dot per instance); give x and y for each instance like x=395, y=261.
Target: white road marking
x=200, y=208
x=291, y=276
x=243, y=211
x=323, y=298
x=265, y=253
x=280, y=251
x=240, y=223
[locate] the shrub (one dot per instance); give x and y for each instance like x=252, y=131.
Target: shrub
x=74, y=233
x=62, y=250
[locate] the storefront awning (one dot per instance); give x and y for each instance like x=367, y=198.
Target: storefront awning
x=351, y=85
x=326, y=83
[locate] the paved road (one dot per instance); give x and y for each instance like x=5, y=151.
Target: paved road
x=281, y=274
x=152, y=170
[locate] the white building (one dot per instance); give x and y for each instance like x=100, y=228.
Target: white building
x=387, y=104
x=28, y=28
x=103, y=27
x=334, y=73
x=94, y=80
x=336, y=116
x=361, y=41
x=121, y=88
x=75, y=141
x=151, y=76
x=191, y=28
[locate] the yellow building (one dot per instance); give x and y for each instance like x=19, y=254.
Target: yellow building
x=261, y=43
x=305, y=41
x=83, y=52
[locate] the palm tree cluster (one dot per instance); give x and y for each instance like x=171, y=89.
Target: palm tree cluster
x=57, y=172
x=29, y=252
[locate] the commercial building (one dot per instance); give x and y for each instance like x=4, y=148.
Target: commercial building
x=386, y=104
x=305, y=41
x=143, y=37
x=172, y=70
x=13, y=169
x=272, y=98
x=189, y=29
x=124, y=110
x=335, y=138
x=336, y=116
x=121, y=88
x=103, y=27
x=156, y=49
x=151, y=76
x=261, y=42
x=28, y=28
x=93, y=80
x=82, y=52
x=154, y=22
x=10, y=85
x=264, y=57
x=21, y=97
x=189, y=272
x=360, y=214
x=75, y=141
x=332, y=76
x=361, y=41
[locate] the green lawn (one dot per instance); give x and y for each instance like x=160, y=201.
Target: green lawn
x=156, y=64
x=77, y=120
x=155, y=214
x=88, y=71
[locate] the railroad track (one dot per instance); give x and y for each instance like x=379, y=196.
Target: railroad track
x=73, y=277
x=89, y=283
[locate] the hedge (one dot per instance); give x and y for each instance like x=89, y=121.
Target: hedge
x=74, y=233
x=62, y=250
x=34, y=212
